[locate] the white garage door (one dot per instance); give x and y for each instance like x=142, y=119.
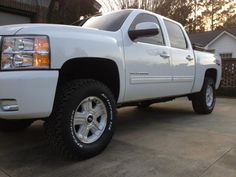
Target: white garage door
x=9, y=18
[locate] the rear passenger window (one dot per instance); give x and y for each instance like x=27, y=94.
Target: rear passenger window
x=176, y=35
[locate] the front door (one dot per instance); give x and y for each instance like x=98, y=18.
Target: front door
x=148, y=69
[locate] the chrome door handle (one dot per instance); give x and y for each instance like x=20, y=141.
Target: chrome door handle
x=165, y=55
x=189, y=58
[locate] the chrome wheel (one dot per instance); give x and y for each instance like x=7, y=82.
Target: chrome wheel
x=209, y=96
x=90, y=120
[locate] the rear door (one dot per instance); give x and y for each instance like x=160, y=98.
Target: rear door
x=182, y=57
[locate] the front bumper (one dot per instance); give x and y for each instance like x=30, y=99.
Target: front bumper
x=33, y=91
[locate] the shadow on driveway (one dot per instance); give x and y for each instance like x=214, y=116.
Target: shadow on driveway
x=163, y=140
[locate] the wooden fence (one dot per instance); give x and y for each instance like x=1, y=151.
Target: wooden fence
x=228, y=73
x=228, y=83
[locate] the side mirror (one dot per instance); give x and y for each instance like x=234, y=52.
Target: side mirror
x=145, y=29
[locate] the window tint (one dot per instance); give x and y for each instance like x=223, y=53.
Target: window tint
x=157, y=39
x=109, y=22
x=176, y=35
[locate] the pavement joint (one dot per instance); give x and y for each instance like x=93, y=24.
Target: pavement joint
x=217, y=160
x=4, y=172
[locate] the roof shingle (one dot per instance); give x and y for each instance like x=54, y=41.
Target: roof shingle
x=204, y=38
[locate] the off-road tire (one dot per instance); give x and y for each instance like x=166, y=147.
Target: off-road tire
x=199, y=100
x=59, y=125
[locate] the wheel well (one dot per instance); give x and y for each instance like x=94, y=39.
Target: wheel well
x=212, y=73
x=103, y=70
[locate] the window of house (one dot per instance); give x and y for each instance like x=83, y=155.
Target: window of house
x=226, y=56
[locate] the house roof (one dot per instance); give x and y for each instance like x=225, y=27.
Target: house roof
x=204, y=38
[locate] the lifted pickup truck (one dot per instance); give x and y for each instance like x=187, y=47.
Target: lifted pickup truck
x=75, y=77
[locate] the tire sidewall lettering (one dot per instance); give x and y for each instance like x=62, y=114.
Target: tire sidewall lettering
x=110, y=111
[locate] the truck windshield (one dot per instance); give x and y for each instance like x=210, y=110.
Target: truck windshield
x=109, y=22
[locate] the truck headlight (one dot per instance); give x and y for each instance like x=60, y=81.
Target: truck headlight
x=25, y=52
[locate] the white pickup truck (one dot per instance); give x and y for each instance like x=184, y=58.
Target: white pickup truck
x=75, y=77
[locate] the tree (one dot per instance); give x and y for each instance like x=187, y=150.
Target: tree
x=195, y=15
x=231, y=22
x=195, y=22
x=178, y=10
x=216, y=12
x=210, y=14
x=69, y=11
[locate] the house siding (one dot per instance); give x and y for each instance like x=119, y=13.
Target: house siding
x=224, y=44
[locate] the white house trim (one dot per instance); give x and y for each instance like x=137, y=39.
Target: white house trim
x=217, y=37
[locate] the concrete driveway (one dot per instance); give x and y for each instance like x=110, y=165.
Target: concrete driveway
x=166, y=140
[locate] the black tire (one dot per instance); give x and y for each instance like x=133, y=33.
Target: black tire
x=14, y=125
x=199, y=100
x=60, y=133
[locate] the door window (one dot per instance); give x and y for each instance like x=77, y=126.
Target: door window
x=176, y=35
x=157, y=39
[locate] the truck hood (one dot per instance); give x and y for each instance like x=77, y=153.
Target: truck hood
x=45, y=29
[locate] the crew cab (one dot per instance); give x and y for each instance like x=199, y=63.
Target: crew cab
x=75, y=77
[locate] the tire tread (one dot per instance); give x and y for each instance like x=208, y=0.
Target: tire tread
x=54, y=125
x=198, y=101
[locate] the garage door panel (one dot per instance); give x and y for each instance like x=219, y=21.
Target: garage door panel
x=10, y=18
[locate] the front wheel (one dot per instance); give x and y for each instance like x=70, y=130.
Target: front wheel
x=204, y=101
x=83, y=120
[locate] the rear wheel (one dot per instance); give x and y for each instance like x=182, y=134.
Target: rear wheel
x=83, y=120
x=14, y=125
x=204, y=101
